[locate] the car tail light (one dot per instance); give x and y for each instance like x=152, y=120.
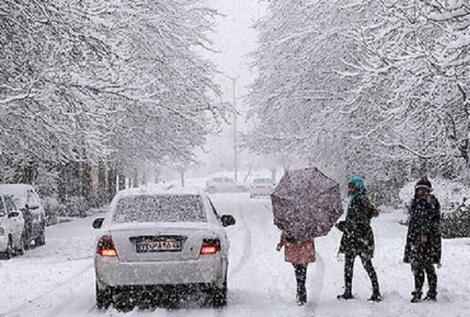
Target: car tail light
x=210, y=246
x=106, y=247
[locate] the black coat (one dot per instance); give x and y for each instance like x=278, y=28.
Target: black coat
x=425, y=216
x=358, y=237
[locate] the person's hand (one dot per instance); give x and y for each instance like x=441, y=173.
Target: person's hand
x=340, y=225
x=423, y=239
x=278, y=247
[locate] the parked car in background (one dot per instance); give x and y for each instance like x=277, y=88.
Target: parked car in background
x=261, y=187
x=26, y=199
x=157, y=244
x=225, y=185
x=11, y=228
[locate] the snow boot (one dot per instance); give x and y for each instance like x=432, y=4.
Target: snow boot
x=376, y=297
x=431, y=296
x=416, y=296
x=301, y=297
x=346, y=296
x=300, y=302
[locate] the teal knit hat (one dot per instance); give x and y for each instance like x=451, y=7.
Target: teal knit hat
x=360, y=185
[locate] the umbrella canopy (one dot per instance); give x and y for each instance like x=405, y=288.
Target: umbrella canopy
x=306, y=204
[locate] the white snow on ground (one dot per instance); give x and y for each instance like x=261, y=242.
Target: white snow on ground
x=58, y=279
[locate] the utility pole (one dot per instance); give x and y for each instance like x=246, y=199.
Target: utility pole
x=235, y=124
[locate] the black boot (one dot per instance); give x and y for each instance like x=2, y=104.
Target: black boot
x=416, y=296
x=301, y=297
x=346, y=296
x=432, y=279
x=376, y=296
x=300, y=300
x=431, y=296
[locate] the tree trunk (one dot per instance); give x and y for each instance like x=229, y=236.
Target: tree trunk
x=182, y=178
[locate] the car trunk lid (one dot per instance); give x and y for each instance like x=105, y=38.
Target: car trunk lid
x=160, y=242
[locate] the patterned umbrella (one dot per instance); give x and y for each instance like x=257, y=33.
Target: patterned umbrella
x=306, y=204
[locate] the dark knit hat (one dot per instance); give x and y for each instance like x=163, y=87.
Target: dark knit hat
x=424, y=183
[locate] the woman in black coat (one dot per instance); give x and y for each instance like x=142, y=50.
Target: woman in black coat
x=358, y=237
x=423, y=241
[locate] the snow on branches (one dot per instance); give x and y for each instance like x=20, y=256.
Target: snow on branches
x=413, y=67
x=373, y=84
x=98, y=80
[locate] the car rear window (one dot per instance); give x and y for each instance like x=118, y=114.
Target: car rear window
x=160, y=208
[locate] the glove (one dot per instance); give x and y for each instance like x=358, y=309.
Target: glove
x=341, y=226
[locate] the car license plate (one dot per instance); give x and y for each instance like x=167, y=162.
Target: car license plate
x=160, y=245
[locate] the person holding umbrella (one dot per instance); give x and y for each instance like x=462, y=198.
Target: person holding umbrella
x=358, y=237
x=306, y=205
x=300, y=254
x=423, y=242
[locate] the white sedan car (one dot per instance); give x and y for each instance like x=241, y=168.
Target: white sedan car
x=154, y=243
x=11, y=228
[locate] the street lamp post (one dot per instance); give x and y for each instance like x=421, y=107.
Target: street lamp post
x=235, y=124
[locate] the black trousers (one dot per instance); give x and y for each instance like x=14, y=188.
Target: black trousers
x=419, y=271
x=349, y=272
x=301, y=277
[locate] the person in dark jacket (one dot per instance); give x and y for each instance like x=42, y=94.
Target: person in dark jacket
x=358, y=237
x=423, y=241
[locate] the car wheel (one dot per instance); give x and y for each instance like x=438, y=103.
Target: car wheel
x=20, y=248
x=219, y=295
x=8, y=253
x=123, y=301
x=26, y=243
x=41, y=240
x=104, y=297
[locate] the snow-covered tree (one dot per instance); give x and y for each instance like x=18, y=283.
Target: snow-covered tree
x=412, y=63
x=363, y=87
x=92, y=81
x=296, y=99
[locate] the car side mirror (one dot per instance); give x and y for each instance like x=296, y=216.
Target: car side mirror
x=227, y=220
x=13, y=214
x=98, y=223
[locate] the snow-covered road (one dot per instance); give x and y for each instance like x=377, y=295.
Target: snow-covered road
x=58, y=279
